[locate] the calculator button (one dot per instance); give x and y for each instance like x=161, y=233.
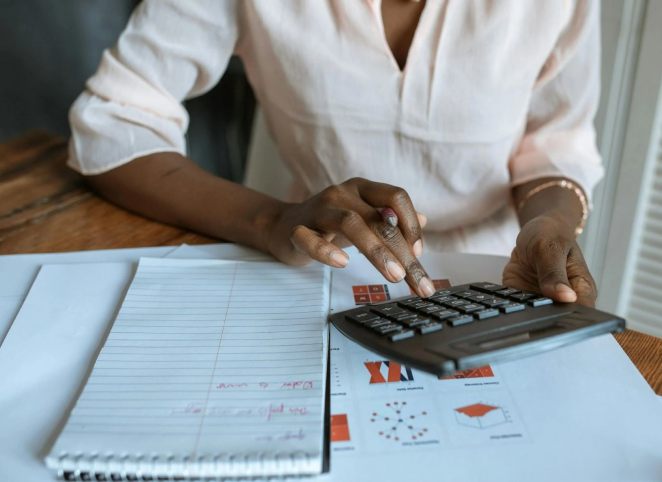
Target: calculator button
x=522, y=296
x=421, y=304
x=415, y=322
x=488, y=313
x=486, y=287
x=402, y=316
x=442, y=315
x=444, y=292
x=402, y=335
x=495, y=302
x=471, y=307
x=443, y=299
x=390, y=328
x=480, y=298
x=456, y=303
x=385, y=310
x=429, y=328
x=408, y=302
x=460, y=320
x=511, y=308
x=377, y=322
x=466, y=294
x=540, y=302
x=507, y=292
x=429, y=309
x=361, y=316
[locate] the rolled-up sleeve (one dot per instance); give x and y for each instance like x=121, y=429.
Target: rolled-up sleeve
x=559, y=138
x=171, y=50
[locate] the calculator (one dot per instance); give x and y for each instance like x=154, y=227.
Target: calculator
x=470, y=325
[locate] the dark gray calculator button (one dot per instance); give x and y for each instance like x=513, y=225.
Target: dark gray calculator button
x=540, y=302
x=443, y=299
x=361, y=316
x=415, y=322
x=466, y=294
x=402, y=316
x=385, y=310
x=486, y=287
x=471, y=307
x=442, y=293
x=429, y=309
x=408, y=302
x=495, y=302
x=480, y=298
x=523, y=296
x=411, y=299
x=455, y=303
x=377, y=322
x=442, y=315
x=402, y=335
x=488, y=313
x=460, y=320
x=429, y=328
x=390, y=328
x=507, y=292
x=421, y=304
x=511, y=308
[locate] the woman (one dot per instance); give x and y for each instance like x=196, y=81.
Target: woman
x=480, y=112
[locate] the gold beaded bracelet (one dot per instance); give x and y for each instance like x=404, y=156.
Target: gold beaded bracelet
x=565, y=184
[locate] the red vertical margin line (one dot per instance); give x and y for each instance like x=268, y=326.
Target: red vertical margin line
x=213, y=373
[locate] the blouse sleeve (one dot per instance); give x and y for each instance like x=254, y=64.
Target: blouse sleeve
x=171, y=50
x=559, y=138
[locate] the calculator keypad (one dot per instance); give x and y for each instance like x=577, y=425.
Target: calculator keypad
x=413, y=316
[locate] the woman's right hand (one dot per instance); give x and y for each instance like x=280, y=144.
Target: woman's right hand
x=348, y=212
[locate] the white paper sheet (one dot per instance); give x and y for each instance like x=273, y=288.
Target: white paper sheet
x=44, y=361
x=17, y=272
x=583, y=412
x=207, y=358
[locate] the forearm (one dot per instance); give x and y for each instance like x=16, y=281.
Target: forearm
x=562, y=203
x=170, y=188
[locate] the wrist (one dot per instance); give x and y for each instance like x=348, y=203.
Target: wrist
x=265, y=222
x=561, y=221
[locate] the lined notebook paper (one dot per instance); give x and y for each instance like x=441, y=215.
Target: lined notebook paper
x=211, y=368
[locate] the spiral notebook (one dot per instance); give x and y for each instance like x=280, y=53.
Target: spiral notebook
x=211, y=369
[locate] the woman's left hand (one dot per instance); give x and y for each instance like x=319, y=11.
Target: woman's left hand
x=547, y=260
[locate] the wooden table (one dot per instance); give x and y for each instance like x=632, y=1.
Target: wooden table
x=46, y=207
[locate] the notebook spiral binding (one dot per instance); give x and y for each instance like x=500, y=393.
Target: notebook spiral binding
x=252, y=466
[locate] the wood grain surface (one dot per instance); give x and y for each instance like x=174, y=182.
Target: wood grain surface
x=47, y=207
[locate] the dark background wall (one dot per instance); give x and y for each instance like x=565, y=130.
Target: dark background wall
x=48, y=48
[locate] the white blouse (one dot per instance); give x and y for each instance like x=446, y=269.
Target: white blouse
x=494, y=94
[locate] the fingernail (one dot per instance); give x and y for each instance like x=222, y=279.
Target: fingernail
x=565, y=291
x=395, y=270
x=427, y=288
x=392, y=221
x=339, y=258
x=418, y=248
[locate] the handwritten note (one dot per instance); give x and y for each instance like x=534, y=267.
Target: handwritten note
x=209, y=358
